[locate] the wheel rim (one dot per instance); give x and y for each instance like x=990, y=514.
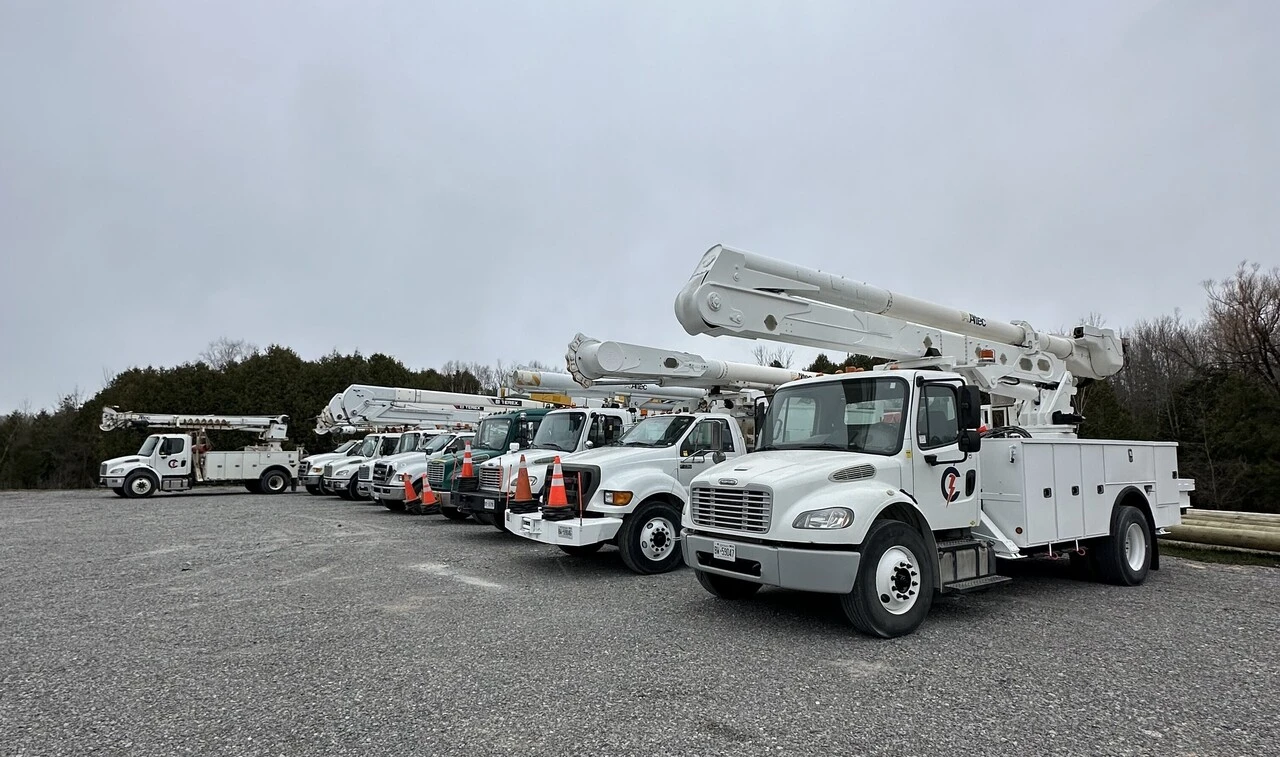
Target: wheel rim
x=657, y=538
x=1135, y=546
x=275, y=482
x=141, y=485
x=898, y=580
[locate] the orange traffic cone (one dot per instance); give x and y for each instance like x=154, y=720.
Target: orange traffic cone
x=467, y=481
x=557, y=507
x=467, y=470
x=430, y=505
x=409, y=494
x=522, y=500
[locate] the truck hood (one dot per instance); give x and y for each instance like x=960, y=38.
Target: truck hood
x=794, y=466
x=533, y=458
x=126, y=460
x=618, y=456
x=322, y=458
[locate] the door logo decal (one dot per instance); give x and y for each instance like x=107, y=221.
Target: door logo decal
x=173, y=463
x=950, y=477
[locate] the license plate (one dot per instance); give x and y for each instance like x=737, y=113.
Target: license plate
x=488, y=504
x=722, y=551
x=565, y=532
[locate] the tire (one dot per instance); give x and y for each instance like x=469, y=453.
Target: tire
x=500, y=521
x=394, y=505
x=725, y=587
x=274, y=481
x=484, y=518
x=453, y=513
x=351, y=490
x=580, y=550
x=894, y=555
x=1124, y=557
x=315, y=489
x=119, y=490
x=253, y=487
x=139, y=485
x=649, y=539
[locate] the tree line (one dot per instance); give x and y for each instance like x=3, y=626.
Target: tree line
x=1210, y=384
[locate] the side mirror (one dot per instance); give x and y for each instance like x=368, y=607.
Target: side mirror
x=590, y=444
x=718, y=457
x=513, y=447
x=970, y=410
x=970, y=441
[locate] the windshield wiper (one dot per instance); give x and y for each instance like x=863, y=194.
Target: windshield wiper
x=550, y=445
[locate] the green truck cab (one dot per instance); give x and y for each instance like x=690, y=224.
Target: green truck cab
x=494, y=436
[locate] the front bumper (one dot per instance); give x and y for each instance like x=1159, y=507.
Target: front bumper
x=578, y=532
x=335, y=485
x=817, y=570
x=493, y=503
x=389, y=491
x=112, y=482
x=364, y=488
x=311, y=479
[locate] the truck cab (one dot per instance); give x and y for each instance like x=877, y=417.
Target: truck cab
x=408, y=443
x=311, y=468
x=494, y=436
x=389, y=474
x=561, y=433
x=631, y=494
x=340, y=476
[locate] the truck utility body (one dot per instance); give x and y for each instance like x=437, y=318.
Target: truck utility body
x=181, y=461
x=879, y=486
x=631, y=494
x=561, y=433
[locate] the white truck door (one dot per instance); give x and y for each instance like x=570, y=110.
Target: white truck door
x=174, y=456
x=696, y=449
x=945, y=479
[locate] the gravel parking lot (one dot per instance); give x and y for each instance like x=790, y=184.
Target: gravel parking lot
x=229, y=623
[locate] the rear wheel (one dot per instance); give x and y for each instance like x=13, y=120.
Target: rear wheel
x=273, y=482
x=139, y=484
x=1124, y=557
x=725, y=587
x=649, y=539
x=580, y=550
x=893, y=590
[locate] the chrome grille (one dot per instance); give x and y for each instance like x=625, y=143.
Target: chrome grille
x=491, y=478
x=435, y=473
x=103, y=470
x=854, y=473
x=328, y=470
x=734, y=509
x=364, y=472
x=382, y=472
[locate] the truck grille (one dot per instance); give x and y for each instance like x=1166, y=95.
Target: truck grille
x=571, y=479
x=435, y=473
x=364, y=472
x=491, y=479
x=102, y=471
x=328, y=470
x=382, y=472
x=733, y=509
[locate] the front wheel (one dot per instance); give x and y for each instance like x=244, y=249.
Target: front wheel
x=119, y=490
x=273, y=482
x=139, y=484
x=1124, y=557
x=893, y=590
x=580, y=550
x=453, y=513
x=355, y=492
x=649, y=539
x=314, y=489
x=725, y=587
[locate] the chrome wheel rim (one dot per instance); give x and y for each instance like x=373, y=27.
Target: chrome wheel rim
x=1135, y=546
x=657, y=538
x=898, y=580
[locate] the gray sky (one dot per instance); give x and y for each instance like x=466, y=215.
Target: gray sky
x=481, y=180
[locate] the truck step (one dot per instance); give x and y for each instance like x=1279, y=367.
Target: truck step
x=957, y=544
x=975, y=584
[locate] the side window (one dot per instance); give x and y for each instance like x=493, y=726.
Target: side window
x=612, y=429
x=937, y=422
x=700, y=438
x=726, y=437
x=171, y=446
x=605, y=430
x=524, y=434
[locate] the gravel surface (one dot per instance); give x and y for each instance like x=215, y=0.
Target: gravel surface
x=229, y=623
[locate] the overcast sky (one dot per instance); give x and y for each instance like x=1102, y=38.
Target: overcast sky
x=481, y=180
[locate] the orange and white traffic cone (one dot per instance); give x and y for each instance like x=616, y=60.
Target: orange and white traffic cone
x=430, y=505
x=522, y=500
x=467, y=480
x=557, y=507
x=467, y=470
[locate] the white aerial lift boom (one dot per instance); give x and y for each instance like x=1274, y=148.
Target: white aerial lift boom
x=879, y=486
x=364, y=404
x=644, y=397
x=178, y=462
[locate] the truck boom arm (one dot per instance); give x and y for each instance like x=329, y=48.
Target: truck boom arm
x=269, y=427
x=732, y=292
x=591, y=360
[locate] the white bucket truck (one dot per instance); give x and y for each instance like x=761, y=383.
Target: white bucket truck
x=182, y=461
x=878, y=487
x=631, y=494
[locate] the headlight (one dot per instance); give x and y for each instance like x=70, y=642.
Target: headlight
x=114, y=471
x=617, y=498
x=831, y=517
x=318, y=469
x=344, y=473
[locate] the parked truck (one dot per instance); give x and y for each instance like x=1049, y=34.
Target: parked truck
x=390, y=473
x=311, y=467
x=878, y=487
x=178, y=462
x=562, y=432
x=340, y=476
x=495, y=435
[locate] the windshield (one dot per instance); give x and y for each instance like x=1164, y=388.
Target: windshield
x=437, y=443
x=148, y=446
x=347, y=446
x=389, y=444
x=657, y=431
x=856, y=415
x=560, y=431
x=492, y=433
x=368, y=447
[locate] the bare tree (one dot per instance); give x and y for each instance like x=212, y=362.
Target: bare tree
x=777, y=356
x=223, y=352
x=1243, y=323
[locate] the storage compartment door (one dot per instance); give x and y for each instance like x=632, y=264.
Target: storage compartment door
x=1068, y=494
x=1097, y=500
x=1040, y=492
x=1130, y=464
